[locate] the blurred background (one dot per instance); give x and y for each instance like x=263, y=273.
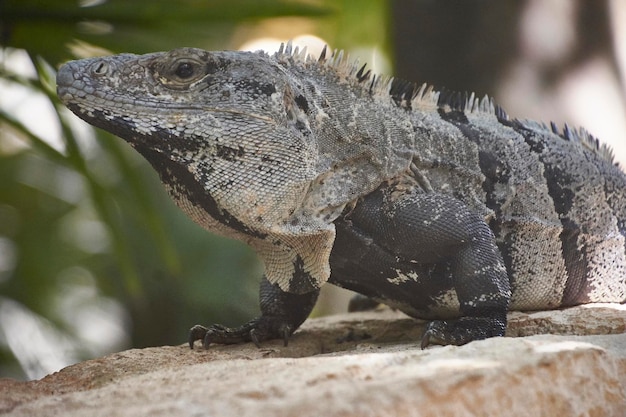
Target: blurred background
x=95, y=258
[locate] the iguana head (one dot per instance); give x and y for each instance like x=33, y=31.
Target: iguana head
x=178, y=100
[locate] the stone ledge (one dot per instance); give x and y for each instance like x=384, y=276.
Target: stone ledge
x=360, y=364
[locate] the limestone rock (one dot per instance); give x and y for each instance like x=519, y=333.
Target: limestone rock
x=360, y=364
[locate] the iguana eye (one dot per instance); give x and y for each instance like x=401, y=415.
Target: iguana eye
x=180, y=74
x=184, y=70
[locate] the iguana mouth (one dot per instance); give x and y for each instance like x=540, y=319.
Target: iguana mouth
x=77, y=93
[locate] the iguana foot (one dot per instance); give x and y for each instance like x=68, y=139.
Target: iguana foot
x=281, y=315
x=462, y=330
x=256, y=331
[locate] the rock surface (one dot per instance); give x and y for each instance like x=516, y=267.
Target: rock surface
x=359, y=364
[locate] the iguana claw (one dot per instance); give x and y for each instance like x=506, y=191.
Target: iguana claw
x=463, y=330
x=255, y=331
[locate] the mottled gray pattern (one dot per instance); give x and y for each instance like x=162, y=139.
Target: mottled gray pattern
x=278, y=151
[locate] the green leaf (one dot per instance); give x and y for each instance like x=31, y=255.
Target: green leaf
x=49, y=28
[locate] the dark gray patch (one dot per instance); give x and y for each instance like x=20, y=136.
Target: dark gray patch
x=302, y=281
x=457, y=118
x=302, y=103
x=228, y=153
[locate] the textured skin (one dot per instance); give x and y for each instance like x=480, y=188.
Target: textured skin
x=437, y=204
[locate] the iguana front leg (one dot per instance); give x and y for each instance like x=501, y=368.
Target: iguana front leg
x=423, y=247
x=281, y=314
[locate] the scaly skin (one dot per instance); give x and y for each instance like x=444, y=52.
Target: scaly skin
x=436, y=204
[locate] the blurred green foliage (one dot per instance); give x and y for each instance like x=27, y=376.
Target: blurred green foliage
x=90, y=212
x=45, y=27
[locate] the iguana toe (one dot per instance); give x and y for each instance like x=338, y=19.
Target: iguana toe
x=462, y=330
x=255, y=331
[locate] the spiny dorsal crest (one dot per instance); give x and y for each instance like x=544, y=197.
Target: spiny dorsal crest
x=409, y=95
x=405, y=94
x=579, y=135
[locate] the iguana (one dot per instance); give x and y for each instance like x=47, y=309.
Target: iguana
x=434, y=203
